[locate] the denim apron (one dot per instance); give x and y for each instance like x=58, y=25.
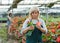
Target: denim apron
x=36, y=36
x=8, y=22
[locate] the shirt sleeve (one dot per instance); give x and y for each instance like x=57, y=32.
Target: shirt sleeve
x=44, y=26
x=24, y=26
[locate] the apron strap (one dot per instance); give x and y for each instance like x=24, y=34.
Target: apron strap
x=37, y=20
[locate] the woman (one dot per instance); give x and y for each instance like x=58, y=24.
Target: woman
x=12, y=32
x=9, y=19
x=36, y=36
x=8, y=23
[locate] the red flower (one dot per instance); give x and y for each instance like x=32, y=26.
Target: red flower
x=58, y=27
x=17, y=31
x=38, y=23
x=44, y=40
x=53, y=30
x=52, y=23
x=15, y=20
x=18, y=34
x=12, y=28
x=48, y=34
x=58, y=39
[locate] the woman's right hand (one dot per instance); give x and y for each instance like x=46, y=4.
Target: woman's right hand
x=31, y=27
x=28, y=28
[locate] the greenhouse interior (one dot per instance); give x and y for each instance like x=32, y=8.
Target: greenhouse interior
x=49, y=11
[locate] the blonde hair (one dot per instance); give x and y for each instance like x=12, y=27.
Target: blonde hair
x=35, y=8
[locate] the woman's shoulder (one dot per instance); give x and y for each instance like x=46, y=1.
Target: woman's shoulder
x=27, y=20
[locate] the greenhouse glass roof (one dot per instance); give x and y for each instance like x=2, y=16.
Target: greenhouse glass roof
x=24, y=5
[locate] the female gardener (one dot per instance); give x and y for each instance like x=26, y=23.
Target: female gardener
x=37, y=28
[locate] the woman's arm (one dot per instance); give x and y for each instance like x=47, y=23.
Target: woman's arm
x=10, y=18
x=25, y=28
x=43, y=29
x=28, y=28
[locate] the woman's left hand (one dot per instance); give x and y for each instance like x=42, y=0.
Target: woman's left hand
x=38, y=26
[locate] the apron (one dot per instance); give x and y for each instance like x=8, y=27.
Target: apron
x=36, y=36
x=8, y=22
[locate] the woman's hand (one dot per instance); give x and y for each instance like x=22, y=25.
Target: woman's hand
x=31, y=27
x=39, y=27
x=28, y=28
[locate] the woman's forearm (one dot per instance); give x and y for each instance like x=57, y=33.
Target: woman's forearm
x=42, y=30
x=25, y=31
x=10, y=19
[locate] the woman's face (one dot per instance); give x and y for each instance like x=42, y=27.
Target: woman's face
x=35, y=14
x=10, y=14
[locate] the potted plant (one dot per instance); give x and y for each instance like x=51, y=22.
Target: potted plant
x=44, y=38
